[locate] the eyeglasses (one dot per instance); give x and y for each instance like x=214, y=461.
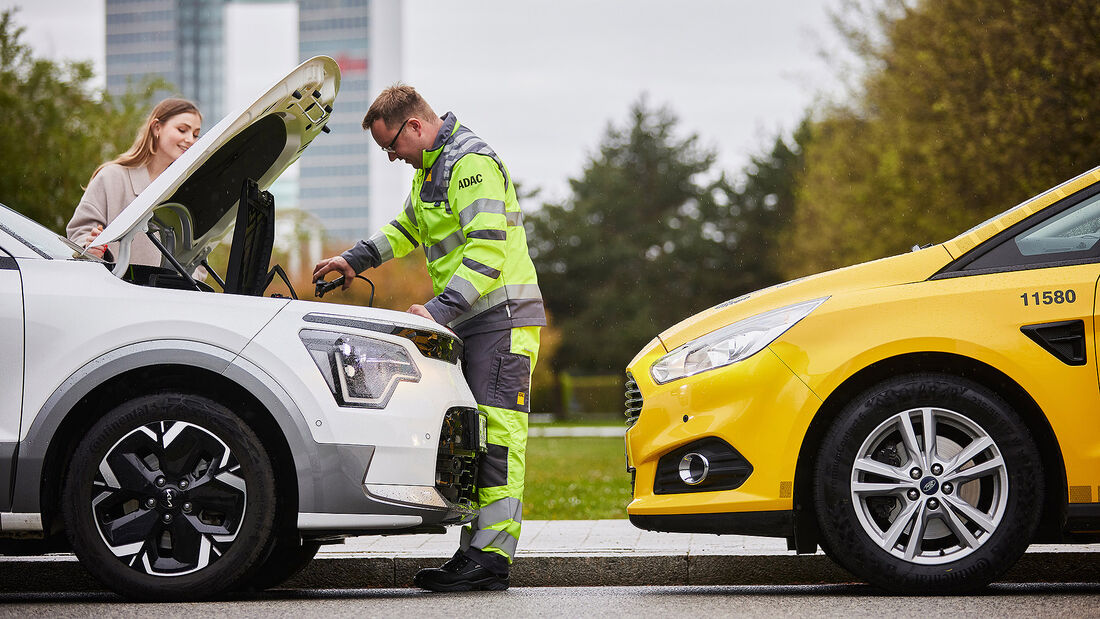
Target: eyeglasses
x=389, y=147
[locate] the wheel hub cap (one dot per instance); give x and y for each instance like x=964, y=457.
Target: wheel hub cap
x=169, y=498
x=929, y=485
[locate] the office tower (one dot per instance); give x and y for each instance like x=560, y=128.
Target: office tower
x=181, y=41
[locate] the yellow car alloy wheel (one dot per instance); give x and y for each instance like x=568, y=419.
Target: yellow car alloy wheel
x=928, y=479
x=944, y=500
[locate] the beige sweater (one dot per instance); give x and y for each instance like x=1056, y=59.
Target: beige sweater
x=112, y=190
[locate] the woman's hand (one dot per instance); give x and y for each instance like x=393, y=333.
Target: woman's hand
x=95, y=251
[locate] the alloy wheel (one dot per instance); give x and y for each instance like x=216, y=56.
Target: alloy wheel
x=168, y=498
x=929, y=485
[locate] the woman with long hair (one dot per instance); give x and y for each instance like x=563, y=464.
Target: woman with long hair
x=172, y=127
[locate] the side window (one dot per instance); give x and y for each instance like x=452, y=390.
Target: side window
x=1070, y=236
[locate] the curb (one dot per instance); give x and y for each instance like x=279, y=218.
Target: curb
x=65, y=574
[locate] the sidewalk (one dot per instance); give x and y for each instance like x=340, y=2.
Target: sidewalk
x=560, y=553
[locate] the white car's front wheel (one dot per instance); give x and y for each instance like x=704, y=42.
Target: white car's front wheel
x=928, y=484
x=170, y=497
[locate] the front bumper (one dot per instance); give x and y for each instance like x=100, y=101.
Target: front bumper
x=754, y=413
x=355, y=506
x=763, y=524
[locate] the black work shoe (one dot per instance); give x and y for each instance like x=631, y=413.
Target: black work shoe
x=460, y=574
x=456, y=562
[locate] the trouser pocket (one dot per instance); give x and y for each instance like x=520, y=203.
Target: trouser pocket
x=511, y=386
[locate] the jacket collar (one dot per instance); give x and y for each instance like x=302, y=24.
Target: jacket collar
x=446, y=132
x=139, y=178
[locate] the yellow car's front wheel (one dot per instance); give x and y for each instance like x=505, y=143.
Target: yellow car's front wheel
x=928, y=483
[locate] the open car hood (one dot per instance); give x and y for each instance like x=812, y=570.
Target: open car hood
x=194, y=202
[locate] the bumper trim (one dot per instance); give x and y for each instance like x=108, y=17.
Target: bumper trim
x=354, y=522
x=761, y=524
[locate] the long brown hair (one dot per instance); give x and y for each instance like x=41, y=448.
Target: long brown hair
x=145, y=144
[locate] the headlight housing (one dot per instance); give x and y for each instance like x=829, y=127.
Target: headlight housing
x=731, y=343
x=360, y=371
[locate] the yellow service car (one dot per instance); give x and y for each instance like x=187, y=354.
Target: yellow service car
x=923, y=418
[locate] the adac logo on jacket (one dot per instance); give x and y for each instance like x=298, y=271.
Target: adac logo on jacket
x=469, y=180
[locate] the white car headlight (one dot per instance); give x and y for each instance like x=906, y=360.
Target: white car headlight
x=731, y=343
x=360, y=371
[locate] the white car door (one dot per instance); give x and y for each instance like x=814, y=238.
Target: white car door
x=11, y=370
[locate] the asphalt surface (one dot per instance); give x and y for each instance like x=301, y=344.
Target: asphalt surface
x=572, y=553
x=1013, y=600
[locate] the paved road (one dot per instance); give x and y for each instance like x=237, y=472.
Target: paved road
x=1016, y=600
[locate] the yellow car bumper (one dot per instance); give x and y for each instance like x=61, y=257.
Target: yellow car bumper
x=758, y=407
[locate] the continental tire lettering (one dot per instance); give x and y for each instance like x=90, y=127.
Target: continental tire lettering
x=469, y=180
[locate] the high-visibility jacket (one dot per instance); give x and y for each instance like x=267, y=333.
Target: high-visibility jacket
x=463, y=210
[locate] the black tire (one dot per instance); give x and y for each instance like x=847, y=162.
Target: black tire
x=974, y=513
x=184, y=491
x=289, y=556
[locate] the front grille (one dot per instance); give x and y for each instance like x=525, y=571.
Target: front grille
x=633, y=400
x=461, y=442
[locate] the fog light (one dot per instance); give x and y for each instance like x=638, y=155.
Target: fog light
x=705, y=465
x=694, y=468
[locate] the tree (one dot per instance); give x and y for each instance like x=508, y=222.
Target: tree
x=652, y=235
x=967, y=107
x=57, y=129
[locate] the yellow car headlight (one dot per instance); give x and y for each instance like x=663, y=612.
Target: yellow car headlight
x=731, y=343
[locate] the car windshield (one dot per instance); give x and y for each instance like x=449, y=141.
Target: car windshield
x=43, y=241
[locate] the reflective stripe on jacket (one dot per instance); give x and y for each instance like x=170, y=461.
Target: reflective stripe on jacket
x=463, y=210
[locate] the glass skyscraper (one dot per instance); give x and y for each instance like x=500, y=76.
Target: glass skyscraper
x=181, y=41
x=333, y=181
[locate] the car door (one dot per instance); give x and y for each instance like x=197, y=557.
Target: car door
x=11, y=370
x=1048, y=269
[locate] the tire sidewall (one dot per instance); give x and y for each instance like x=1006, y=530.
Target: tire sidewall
x=254, y=535
x=861, y=554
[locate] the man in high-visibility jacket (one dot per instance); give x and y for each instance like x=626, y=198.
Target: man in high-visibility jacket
x=463, y=210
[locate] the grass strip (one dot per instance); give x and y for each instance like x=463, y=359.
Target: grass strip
x=575, y=478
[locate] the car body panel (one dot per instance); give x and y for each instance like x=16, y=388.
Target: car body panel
x=875, y=313
x=892, y=271
x=67, y=327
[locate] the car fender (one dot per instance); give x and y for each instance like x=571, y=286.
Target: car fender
x=34, y=449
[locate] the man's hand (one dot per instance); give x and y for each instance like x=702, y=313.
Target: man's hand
x=422, y=311
x=335, y=263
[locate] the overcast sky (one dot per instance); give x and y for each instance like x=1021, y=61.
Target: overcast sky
x=541, y=79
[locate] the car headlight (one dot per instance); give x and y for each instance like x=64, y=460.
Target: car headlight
x=731, y=343
x=360, y=371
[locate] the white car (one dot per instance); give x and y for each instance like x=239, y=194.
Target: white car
x=187, y=442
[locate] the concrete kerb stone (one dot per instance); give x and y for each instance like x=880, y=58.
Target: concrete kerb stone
x=591, y=556
x=59, y=574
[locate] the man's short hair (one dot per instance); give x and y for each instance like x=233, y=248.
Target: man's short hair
x=397, y=104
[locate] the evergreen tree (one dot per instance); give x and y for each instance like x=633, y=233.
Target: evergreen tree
x=651, y=235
